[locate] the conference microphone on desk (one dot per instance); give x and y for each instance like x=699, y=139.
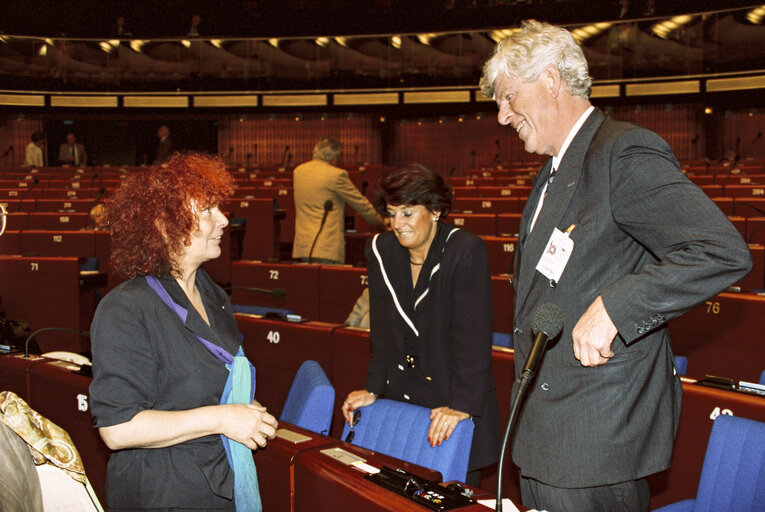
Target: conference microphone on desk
x=327, y=208
x=45, y=329
x=276, y=293
x=547, y=324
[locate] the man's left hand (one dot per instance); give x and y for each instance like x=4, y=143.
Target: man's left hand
x=593, y=335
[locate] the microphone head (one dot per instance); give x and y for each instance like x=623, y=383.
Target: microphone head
x=328, y=205
x=548, y=318
x=278, y=293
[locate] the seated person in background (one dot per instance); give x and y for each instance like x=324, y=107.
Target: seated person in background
x=359, y=316
x=33, y=156
x=431, y=315
x=96, y=219
x=172, y=392
x=318, y=184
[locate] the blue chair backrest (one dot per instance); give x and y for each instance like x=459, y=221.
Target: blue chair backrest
x=733, y=476
x=311, y=399
x=400, y=430
x=762, y=377
x=259, y=310
x=503, y=339
x=681, y=363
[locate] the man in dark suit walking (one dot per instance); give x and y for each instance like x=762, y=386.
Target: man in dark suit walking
x=616, y=236
x=165, y=147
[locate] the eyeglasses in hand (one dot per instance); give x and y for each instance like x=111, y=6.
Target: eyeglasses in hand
x=354, y=421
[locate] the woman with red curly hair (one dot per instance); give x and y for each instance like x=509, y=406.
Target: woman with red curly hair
x=172, y=393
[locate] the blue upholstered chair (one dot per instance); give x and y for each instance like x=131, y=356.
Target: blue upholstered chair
x=733, y=475
x=400, y=430
x=681, y=363
x=502, y=339
x=259, y=310
x=311, y=399
x=762, y=377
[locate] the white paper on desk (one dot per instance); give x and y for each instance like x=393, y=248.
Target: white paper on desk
x=507, y=505
x=60, y=493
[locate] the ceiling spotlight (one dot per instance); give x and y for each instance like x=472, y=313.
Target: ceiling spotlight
x=755, y=15
x=395, y=41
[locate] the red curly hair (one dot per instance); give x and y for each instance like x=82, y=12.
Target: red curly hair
x=150, y=216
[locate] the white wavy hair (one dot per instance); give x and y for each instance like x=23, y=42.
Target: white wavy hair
x=526, y=53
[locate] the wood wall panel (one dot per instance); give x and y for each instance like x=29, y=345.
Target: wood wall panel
x=745, y=125
x=17, y=133
x=679, y=125
x=472, y=143
x=289, y=139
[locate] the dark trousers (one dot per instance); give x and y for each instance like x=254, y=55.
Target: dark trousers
x=631, y=496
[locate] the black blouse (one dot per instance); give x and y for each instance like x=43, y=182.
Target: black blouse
x=145, y=358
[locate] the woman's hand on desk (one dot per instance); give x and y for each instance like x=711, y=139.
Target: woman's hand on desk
x=443, y=421
x=356, y=399
x=249, y=424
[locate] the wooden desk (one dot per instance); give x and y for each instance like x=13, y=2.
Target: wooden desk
x=322, y=483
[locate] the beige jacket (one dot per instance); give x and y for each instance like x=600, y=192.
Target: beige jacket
x=314, y=183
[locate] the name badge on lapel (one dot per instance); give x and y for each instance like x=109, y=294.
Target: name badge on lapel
x=556, y=255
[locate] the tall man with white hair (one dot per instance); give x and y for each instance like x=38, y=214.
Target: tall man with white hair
x=616, y=236
x=318, y=184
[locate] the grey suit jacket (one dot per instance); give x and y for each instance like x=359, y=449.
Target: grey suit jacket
x=653, y=245
x=314, y=182
x=65, y=153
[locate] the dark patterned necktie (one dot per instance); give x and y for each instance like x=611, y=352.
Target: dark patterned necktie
x=550, y=179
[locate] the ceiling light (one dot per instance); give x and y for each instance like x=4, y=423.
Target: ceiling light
x=274, y=42
x=186, y=43
x=322, y=41
x=395, y=41
x=582, y=34
x=137, y=44
x=425, y=38
x=218, y=43
x=662, y=29
x=342, y=41
x=755, y=15
x=500, y=35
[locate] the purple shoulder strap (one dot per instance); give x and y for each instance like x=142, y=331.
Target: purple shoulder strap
x=216, y=350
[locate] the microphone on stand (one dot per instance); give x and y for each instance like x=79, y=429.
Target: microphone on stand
x=44, y=329
x=4, y=215
x=547, y=324
x=746, y=153
x=497, y=157
x=284, y=155
x=327, y=208
x=10, y=148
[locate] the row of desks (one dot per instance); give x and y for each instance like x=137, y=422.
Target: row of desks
x=299, y=474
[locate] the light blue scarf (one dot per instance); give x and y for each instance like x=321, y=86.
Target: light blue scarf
x=239, y=389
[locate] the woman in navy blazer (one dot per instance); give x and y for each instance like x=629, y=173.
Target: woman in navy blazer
x=431, y=315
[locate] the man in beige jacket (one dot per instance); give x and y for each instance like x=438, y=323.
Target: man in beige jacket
x=321, y=191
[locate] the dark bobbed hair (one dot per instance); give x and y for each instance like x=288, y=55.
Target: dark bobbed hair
x=151, y=218
x=37, y=136
x=414, y=184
